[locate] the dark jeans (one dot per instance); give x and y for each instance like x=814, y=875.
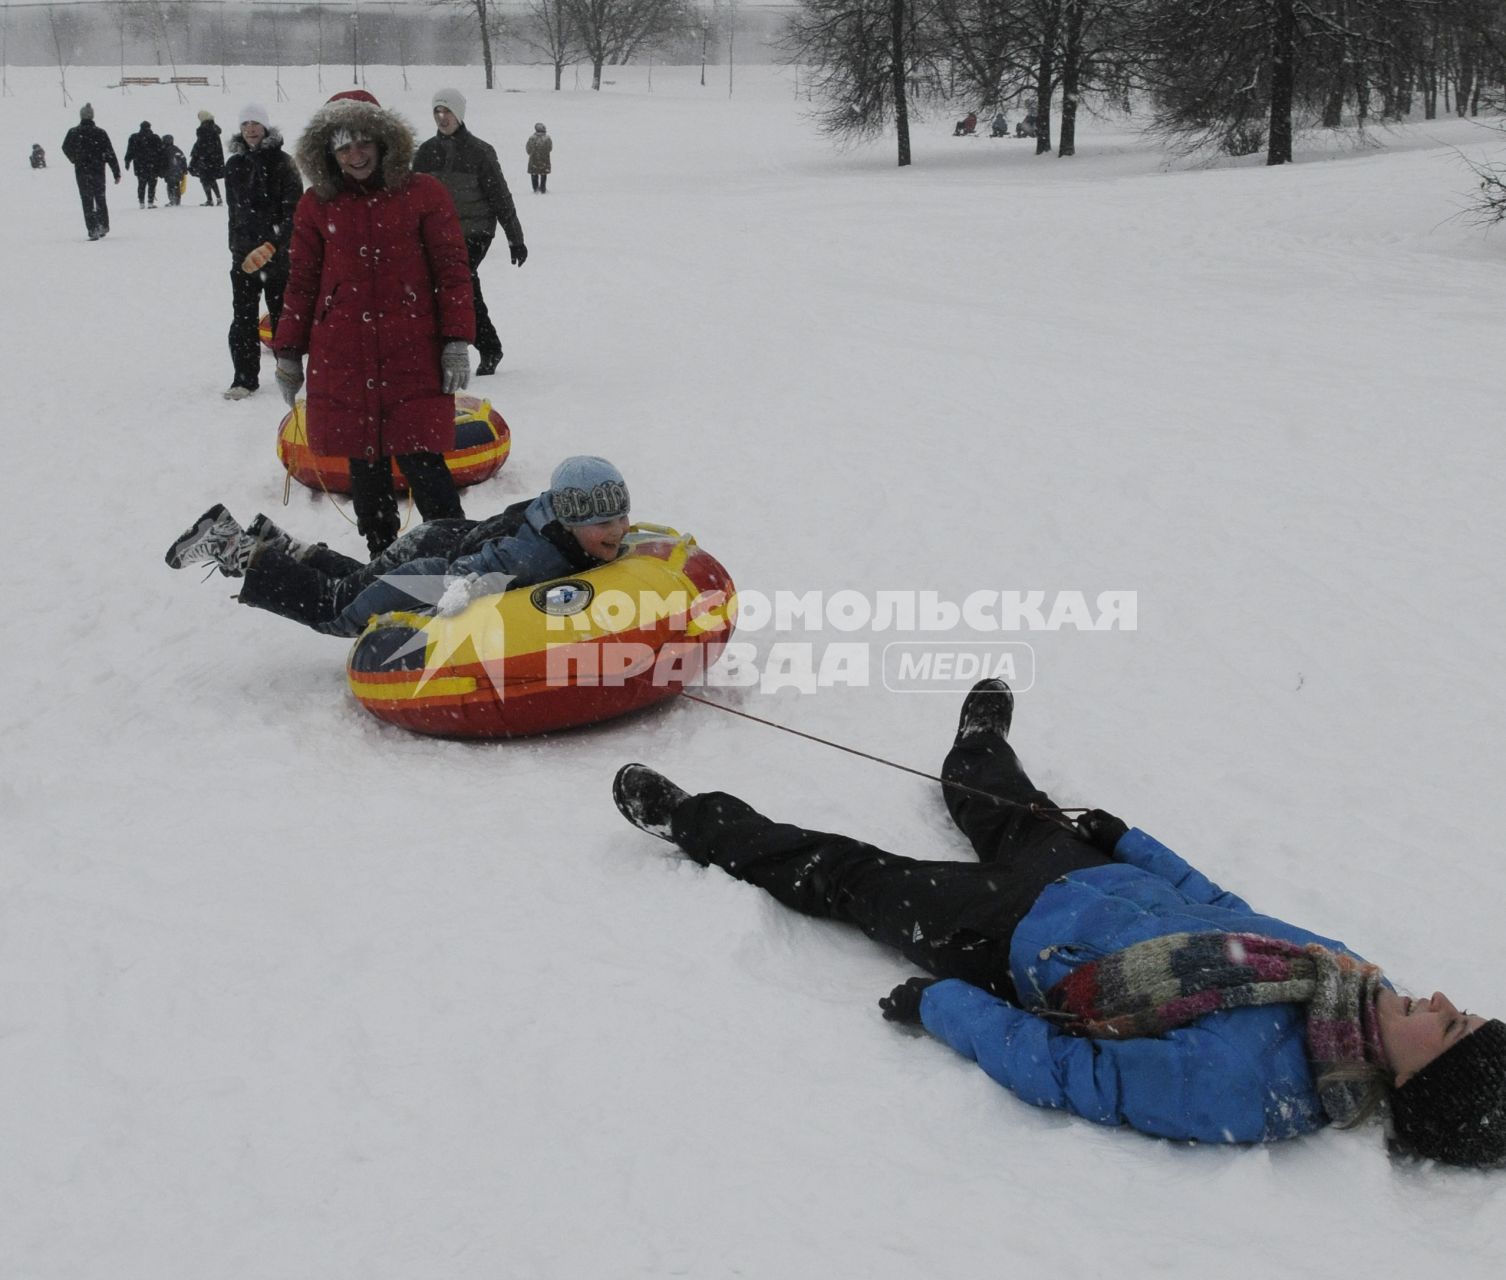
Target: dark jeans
x=338, y=595
x=487, y=341
x=375, y=501
x=953, y=919
x=246, y=292
x=211, y=189
x=91, y=194
x=146, y=187
x=540, y=181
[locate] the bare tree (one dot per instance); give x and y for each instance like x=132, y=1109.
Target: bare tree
x=612, y=31
x=550, y=30
x=490, y=24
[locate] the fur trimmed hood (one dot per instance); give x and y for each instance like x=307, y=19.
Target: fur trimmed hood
x=389, y=130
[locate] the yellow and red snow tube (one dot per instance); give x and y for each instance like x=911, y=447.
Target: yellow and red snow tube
x=482, y=443
x=568, y=652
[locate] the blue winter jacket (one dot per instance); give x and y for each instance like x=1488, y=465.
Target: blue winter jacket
x=1239, y=1075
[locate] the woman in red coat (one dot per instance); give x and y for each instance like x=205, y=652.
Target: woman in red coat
x=379, y=298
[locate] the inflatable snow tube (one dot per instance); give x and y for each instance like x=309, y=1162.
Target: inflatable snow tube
x=482, y=443
x=264, y=330
x=568, y=652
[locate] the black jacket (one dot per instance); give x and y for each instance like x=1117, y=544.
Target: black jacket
x=207, y=159
x=90, y=149
x=261, y=191
x=144, y=150
x=470, y=170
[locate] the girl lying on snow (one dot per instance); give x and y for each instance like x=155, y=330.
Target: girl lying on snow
x=1087, y=966
x=574, y=525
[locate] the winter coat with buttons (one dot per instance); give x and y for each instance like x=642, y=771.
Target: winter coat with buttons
x=379, y=281
x=1238, y=1075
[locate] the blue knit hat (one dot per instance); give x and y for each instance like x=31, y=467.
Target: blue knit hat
x=588, y=490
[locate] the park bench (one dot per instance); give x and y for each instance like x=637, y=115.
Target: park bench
x=204, y=80
x=125, y=80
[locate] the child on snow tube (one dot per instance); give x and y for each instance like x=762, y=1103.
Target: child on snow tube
x=576, y=524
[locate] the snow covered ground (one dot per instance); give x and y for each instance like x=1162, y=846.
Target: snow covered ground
x=287, y=992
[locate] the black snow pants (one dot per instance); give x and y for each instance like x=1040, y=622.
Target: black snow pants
x=246, y=291
x=488, y=344
x=953, y=919
x=91, y=194
x=338, y=595
x=375, y=500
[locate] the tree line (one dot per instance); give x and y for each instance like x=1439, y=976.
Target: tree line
x=1240, y=76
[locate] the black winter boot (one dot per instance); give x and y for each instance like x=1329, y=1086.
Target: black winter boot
x=987, y=709
x=647, y=799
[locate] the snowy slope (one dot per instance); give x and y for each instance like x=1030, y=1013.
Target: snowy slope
x=285, y=992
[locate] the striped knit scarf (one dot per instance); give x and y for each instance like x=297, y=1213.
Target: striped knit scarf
x=1155, y=986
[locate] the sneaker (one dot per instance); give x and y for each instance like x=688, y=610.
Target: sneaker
x=646, y=799
x=488, y=364
x=238, y=392
x=265, y=534
x=987, y=709
x=213, y=537
x=94, y=235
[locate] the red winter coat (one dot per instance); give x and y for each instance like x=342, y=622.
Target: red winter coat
x=378, y=281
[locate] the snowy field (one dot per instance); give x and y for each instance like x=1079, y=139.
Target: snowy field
x=286, y=992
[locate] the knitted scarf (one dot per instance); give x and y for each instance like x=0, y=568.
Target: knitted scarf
x=1155, y=986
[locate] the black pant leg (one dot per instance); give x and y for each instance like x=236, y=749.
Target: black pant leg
x=274, y=283
x=487, y=341
x=953, y=919
x=245, y=324
x=432, y=485
x=375, y=502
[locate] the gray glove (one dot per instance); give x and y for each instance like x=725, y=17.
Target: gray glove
x=455, y=365
x=290, y=378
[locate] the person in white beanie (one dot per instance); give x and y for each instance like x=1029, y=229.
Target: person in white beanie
x=262, y=187
x=469, y=168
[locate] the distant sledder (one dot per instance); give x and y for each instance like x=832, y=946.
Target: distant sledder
x=966, y=127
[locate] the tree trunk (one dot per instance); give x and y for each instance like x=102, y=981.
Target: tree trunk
x=596, y=73
x=1283, y=82
x=897, y=74
x=1045, y=76
x=486, y=42
x=1071, y=77
x=559, y=73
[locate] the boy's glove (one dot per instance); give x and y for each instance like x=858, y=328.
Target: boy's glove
x=1101, y=830
x=455, y=367
x=903, y=1003
x=290, y=378
x=259, y=257
x=519, y=253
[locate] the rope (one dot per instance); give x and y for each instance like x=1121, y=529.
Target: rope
x=1049, y=812
x=300, y=430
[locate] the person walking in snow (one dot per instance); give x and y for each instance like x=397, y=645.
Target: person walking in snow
x=89, y=149
x=1087, y=967
x=174, y=170
x=540, y=146
x=470, y=170
x=379, y=299
x=577, y=524
x=38, y=156
x=262, y=188
x=206, y=161
x=144, y=151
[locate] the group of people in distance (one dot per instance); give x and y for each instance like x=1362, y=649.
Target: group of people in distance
x=1080, y=962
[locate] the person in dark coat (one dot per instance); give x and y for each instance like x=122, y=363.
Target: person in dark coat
x=144, y=151
x=577, y=524
x=379, y=299
x=262, y=188
x=89, y=149
x=206, y=161
x=38, y=156
x=470, y=170
x=540, y=149
x=174, y=170
x=1085, y=966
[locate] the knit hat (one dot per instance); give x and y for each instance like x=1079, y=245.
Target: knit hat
x=206, y=115
x=589, y=490
x=86, y=112
x=539, y=128
x=145, y=125
x=1454, y=1109
x=167, y=137
x=354, y=95
x=255, y=113
x=453, y=100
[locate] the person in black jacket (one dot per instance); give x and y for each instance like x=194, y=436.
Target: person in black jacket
x=174, y=170
x=144, y=151
x=262, y=186
x=206, y=161
x=89, y=149
x=469, y=168
x=38, y=156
